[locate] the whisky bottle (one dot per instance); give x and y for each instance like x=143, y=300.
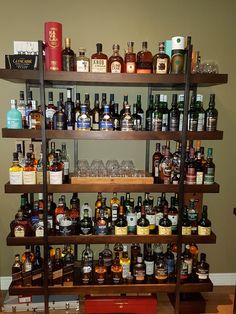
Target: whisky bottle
x=143, y=223
x=130, y=59
x=82, y=62
x=135, y=252
x=27, y=268
x=156, y=160
x=118, y=249
x=181, y=111
x=121, y=223
x=99, y=60
x=16, y=171
x=35, y=117
x=165, y=225
x=138, y=207
x=68, y=267
x=21, y=108
x=157, y=115
x=116, y=117
x=176, y=163
x=173, y=215
x=116, y=271
x=14, y=117
x=125, y=263
x=98, y=205
x=158, y=212
x=58, y=214
x=115, y=62
x=177, y=55
x=28, y=108
x=140, y=111
x=183, y=270
x=74, y=212
x=114, y=204
x=29, y=171
x=107, y=257
x=209, y=168
x=131, y=216
x=101, y=224
x=190, y=168
x=166, y=167
x=84, y=121
x=165, y=113
x=144, y=60
x=193, y=216
x=86, y=270
x=201, y=113
x=21, y=157
x=202, y=270
x=106, y=121
x=37, y=271
x=149, y=111
x=127, y=122
x=204, y=224
x=68, y=56
x=192, y=115
x=139, y=271
x=100, y=271
x=59, y=118
x=86, y=225
x=16, y=272
x=161, y=271
x=149, y=263
x=137, y=119
x=20, y=227
x=65, y=223
x=199, y=169
x=170, y=262
x=69, y=109
x=186, y=226
x=50, y=111
x=51, y=154
x=150, y=215
x=89, y=253
x=57, y=269
x=161, y=61
x=174, y=114
x=95, y=113
x=188, y=259
x=56, y=171
x=211, y=115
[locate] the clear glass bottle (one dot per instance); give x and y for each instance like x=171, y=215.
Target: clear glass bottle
x=14, y=117
x=99, y=60
x=144, y=60
x=130, y=58
x=127, y=122
x=115, y=62
x=82, y=62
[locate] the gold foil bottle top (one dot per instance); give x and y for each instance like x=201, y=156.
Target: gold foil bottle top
x=67, y=42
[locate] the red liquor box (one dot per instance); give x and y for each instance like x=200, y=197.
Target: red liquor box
x=121, y=304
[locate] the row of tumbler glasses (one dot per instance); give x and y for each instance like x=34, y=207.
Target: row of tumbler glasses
x=112, y=168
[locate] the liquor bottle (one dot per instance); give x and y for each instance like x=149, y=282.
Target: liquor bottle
x=211, y=115
x=57, y=269
x=138, y=207
x=125, y=263
x=38, y=227
x=143, y=223
x=135, y=252
x=144, y=60
x=183, y=270
x=84, y=121
x=101, y=224
x=77, y=108
x=115, y=62
x=139, y=270
x=68, y=267
x=202, y=269
x=116, y=118
x=16, y=171
x=14, y=117
x=86, y=224
x=68, y=56
x=16, y=272
x=20, y=155
x=66, y=163
x=51, y=154
x=103, y=101
x=118, y=249
x=158, y=212
x=100, y=271
x=177, y=55
x=127, y=122
x=58, y=214
x=165, y=113
x=21, y=108
x=165, y=225
x=157, y=251
x=193, y=216
x=82, y=62
x=170, y=262
x=140, y=111
x=56, y=171
x=59, y=118
x=116, y=271
x=156, y=160
x=89, y=253
x=166, y=167
x=69, y=109
x=157, y=115
x=149, y=111
x=28, y=108
x=35, y=117
x=95, y=113
x=174, y=114
x=106, y=121
x=121, y=223
x=149, y=263
x=173, y=215
x=37, y=271
x=188, y=259
x=186, y=225
x=209, y=168
x=29, y=171
x=65, y=223
x=27, y=268
x=114, y=204
x=192, y=115
x=176, y=164
x=112, y=103
x=204, y=224
x=20, y=226
x=107, y=258
x=150, y=215
x=86, y=270
x=201, y=113
x=199, y=169
x=181, y=111
x=161, y=271
x=190, y=168
x=131, y=216
x=130, y=58
x=137, y=119
x=74, y=212
x=98, y=205
x=50, y=111
x=161, y=61
x=99, y=60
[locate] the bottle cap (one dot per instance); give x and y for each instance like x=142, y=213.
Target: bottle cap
x=200, y=97
x=163, y=98
x=178, y=43
x=180, y=97
x=116, y=47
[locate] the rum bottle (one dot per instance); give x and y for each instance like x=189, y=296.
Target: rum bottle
x=115, y=62
x=144, y=60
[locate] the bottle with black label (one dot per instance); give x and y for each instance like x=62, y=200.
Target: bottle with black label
x=174, y=115
x=192, y=115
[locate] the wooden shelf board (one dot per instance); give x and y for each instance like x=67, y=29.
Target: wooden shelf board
x=113, y=187
x=93, y=239
x=103, y=135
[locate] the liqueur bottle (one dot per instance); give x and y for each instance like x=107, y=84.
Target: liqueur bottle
x=99, y=60
x=100, y=271
x=144, y=60
x=68, y=56
x=209, y=168
x=130, y=58
x=204, y=224
x=82, y=62
x=116, y=271
x=115, y=62
x=16, y=171
x=156, y=160
x=211, y=115
x=14, y=117
x=161, y=61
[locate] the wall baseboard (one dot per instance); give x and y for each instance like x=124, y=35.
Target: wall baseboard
x=218, y=279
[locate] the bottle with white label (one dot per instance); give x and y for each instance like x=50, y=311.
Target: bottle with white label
x=204, y=224
x=82, y=62
x=66, y=163
x=84, y=121
x=165, y=223
x=201, y=113
x=149, y=262
x=202, y=269
x=56, y=171
x=14, y=117
x=99, y=60
x=16, y=171
x=29, y=171
x=115, y=62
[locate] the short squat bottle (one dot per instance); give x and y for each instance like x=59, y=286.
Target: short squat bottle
x=106, y=121
x=84, y=121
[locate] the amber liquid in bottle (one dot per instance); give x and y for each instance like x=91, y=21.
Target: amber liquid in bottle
x=115, y=62
x=130, y=59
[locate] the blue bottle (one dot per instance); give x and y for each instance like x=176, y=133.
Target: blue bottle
x=14, y=117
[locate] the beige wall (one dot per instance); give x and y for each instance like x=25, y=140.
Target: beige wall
x=211, y=23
